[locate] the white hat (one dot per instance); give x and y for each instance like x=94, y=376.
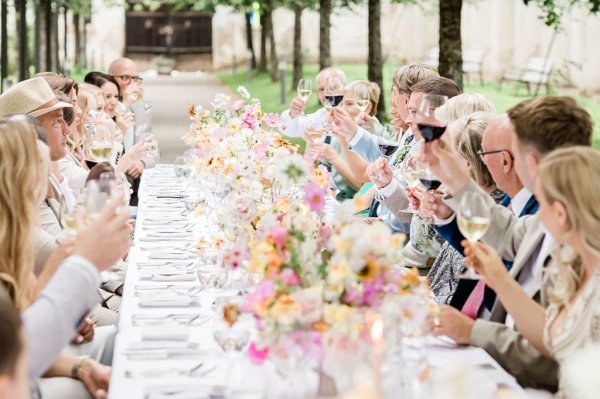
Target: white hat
x=32, y=96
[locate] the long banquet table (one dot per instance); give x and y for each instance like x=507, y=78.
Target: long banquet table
x=165, y=325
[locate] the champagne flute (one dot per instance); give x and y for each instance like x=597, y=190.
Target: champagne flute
x=304, y=89
x=363, y=98
x=428, y=125
x=473, y=219
x=315, y=133
x=100, y=142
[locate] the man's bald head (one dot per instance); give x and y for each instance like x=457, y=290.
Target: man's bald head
x=496, y=146
x=123, y=69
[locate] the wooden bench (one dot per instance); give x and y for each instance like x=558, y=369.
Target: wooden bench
x=472, y=62
x=537, y=73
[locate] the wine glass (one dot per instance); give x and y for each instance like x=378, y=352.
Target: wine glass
x=363, y=98
x=389, y=143
x=431, y=183
x=181, y=168
x=229, y=330
x=334, y=92
x=428, y=125
x=304, y=89
x=100, y=142
x=473, y=219
x=68, y=218
x=315, y=133
x=95, y=198
x=151, y=144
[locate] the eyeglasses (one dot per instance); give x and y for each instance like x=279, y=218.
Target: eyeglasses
x=129, y=78
x=483, y=154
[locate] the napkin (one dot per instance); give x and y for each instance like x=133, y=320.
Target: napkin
x=165, y=333
x=165, y=302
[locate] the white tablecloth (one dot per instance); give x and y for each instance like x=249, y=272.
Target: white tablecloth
x=162, y=181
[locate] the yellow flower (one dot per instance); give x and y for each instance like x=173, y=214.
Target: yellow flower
x=260, y=257
x=200, y=211
x=341, y=245
x=284, y=309
x=338, y=272
x=370, y=271
x=333, y=313
x=397, y=240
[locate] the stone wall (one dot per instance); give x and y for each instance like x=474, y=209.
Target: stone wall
x=506, y=30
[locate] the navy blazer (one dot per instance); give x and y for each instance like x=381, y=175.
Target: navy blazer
x=452, y=234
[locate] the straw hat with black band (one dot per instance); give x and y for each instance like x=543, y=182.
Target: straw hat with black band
x=32, y=97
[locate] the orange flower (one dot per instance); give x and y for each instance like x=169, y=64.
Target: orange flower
x=191, y=110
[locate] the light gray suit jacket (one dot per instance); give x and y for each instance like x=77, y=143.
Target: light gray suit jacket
x=516, y=239
x=52, y=320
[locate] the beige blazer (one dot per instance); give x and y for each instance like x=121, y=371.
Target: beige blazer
x=397, y=203
x=516, y=239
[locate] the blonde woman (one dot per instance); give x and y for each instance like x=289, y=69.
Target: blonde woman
x=567, y=191
x=51, y=308
x=463, y=105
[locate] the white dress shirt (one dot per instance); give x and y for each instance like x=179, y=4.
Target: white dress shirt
x=532, y=270
x=295, y=127
x=517, y=204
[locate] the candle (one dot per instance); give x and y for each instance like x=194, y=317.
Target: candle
x=378, y=353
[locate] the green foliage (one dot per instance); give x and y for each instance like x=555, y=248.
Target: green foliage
x=553, y=10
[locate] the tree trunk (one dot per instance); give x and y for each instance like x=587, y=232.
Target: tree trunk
x=37, y=37
x=297, y=44
x=264, y=21
x=21, y=8
x=55, y=42
x=272, y=46
x=249, y=41
x=450, y=61
x=79, y=56
x=324, y=34
x=48, y=39
x=375, y=62
x=3, y=43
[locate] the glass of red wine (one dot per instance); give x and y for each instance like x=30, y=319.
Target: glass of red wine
x=334, y=94
x=429, y=126
x=431, y=183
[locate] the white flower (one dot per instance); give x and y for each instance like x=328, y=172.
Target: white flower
x=243, y=92
x=579, y=373
x=343, y=212
x=290, y=170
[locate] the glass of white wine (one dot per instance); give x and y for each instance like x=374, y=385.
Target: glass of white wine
x=95, y=198
x=363, y=98
x=100, y=142
x=304, y=89
x=474, y=219
x=68, y=218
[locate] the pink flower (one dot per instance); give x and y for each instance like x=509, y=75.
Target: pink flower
x=256, y=355
x=261, y=150
x=289, y=277
x=236, y=106
x=272, y=120
x=249, y=119
x=264, y=290
x=278, y=233
x=314, y=196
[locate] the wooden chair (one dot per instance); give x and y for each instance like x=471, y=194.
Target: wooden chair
x=537, y=73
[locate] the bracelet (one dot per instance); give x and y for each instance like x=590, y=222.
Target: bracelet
x=77, y=366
